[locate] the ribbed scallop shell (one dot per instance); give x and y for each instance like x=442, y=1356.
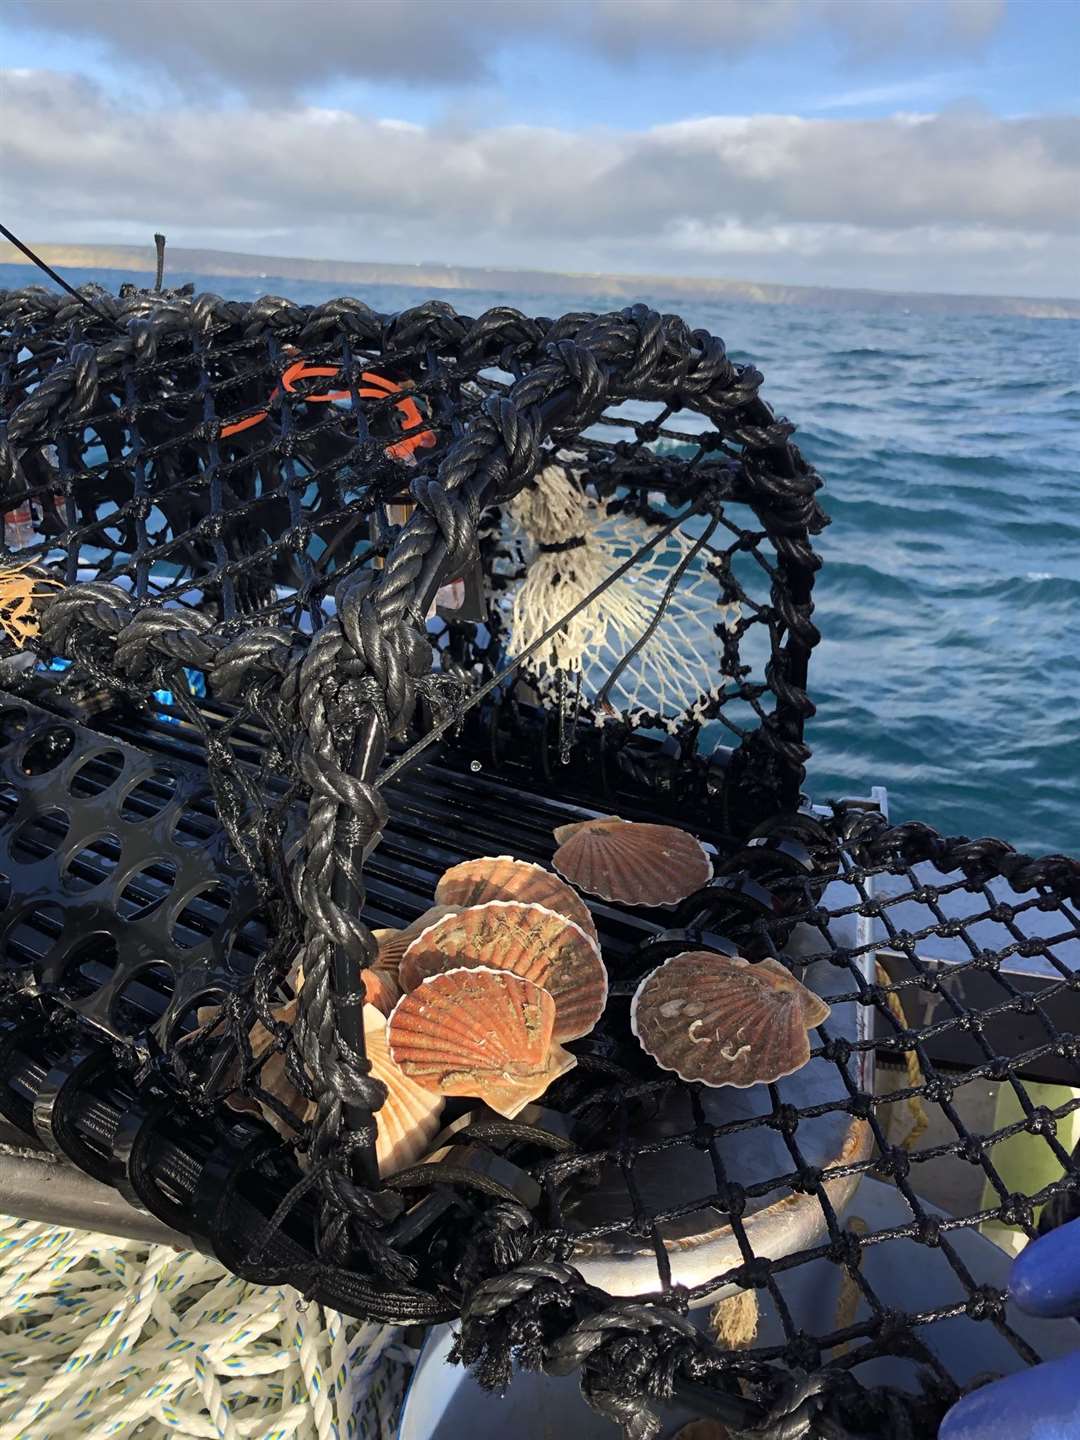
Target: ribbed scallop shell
x=408, y=1120
x=631, y=864
x=272, y=1076
x=393, y=943
x=528, y=940
x=481, y=1032
x=381, y=989
x=501, y=877
x=406, y=1123
x=724, y=1021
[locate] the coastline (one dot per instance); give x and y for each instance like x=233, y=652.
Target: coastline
x=236, y=265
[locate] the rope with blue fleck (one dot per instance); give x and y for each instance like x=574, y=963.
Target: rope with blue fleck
x=102, y=1338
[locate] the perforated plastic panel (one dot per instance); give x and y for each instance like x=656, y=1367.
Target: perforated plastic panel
x=124, y=897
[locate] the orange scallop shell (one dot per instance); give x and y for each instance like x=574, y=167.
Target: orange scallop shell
x=479, y=1032
x=272, y=1077
x=408, y=1119
x=631, y=864
x=501, y=877
x=724, y=1021
x=393, y=943
x=528, y=940
x=381, y=988
x=405, y=1123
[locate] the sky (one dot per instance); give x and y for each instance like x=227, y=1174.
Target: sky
x=897, y=144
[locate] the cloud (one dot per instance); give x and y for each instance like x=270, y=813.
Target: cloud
x=929, y=87
x=285, y=47
x=959, y=200
x=867, y=27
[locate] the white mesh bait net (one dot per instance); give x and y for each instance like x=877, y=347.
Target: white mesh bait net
x=569, y=543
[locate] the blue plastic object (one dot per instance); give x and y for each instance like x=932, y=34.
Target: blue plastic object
x=1045, y=1278
x=1043, y=1403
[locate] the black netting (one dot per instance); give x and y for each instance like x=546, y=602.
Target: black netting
x=279, y=557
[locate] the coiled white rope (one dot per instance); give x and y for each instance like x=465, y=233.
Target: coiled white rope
x=103, y=1337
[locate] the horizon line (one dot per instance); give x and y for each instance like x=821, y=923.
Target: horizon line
x=235, y=264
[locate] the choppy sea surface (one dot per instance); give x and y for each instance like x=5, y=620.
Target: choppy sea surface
x=949, y=601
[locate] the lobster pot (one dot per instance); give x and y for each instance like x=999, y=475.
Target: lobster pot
x=307, y=606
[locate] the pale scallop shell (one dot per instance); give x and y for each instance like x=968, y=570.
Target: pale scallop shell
x=405, y=1123
x=480, y=1032
x=272, y=1076
x=528, y=940
x=393, y=943
x=408, y=1119
x=724, y=1021
x=631, y=864
x=501, y=877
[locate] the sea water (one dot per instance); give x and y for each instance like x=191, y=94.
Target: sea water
x=949, y=600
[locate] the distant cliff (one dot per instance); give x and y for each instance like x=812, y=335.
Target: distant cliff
x=450, y=277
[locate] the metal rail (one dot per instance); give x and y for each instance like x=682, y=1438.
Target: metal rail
x=37, y=1185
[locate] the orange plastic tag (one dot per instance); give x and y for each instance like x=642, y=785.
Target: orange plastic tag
x=372, y=387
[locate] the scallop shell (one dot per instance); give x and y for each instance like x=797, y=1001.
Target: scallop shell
x=501, y=877
x=724, y=1021
x=703, y=1430
x=528, y=940
x=479, y=1032
x=631, y=864
x=273, y=1077
x=408, y=1119
x=393, y=943
x=381, y=988
x=406, y=1122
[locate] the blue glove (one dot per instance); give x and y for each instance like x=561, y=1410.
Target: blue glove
x=1042, y=1403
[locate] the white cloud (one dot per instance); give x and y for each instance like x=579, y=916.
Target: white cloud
x=282, y=45
x=960, y=200
x=900, y=92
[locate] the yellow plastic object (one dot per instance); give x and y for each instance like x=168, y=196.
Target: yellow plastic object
x=1026, y=1162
